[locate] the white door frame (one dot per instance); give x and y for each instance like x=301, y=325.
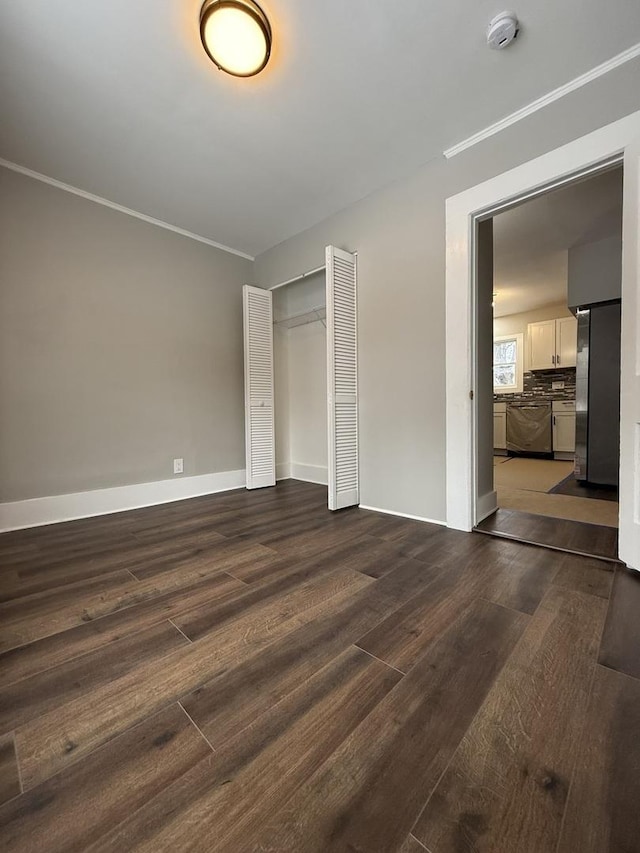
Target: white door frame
x=462, y=213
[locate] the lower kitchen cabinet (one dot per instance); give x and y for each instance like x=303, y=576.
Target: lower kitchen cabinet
x=500, y=426
x=564, y=427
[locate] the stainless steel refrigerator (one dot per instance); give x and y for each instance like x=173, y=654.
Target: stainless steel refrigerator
x=598, y=395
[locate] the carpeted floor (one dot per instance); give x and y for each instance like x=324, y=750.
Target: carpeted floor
x=536, y=475
x=498, y=460
x=525, y=484
x=559, y=506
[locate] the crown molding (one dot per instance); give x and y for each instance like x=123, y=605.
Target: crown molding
x=105, y=202
x=545, y=100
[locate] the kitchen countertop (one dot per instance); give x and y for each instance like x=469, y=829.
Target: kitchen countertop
x=533, y=398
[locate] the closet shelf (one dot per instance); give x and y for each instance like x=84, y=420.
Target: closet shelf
x=311, y=316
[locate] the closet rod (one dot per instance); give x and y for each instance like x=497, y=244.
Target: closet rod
x=297, y=278
x=300, y=277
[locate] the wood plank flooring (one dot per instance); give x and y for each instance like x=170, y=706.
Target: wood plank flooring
x=249, y=672
x=561, y=534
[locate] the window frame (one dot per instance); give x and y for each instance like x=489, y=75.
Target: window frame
x=518, y=337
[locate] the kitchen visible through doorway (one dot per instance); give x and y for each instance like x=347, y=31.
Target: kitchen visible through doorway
x=555, y=358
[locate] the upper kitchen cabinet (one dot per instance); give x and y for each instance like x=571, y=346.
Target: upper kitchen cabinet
x=542, y=345
x=552, y=344
x=566, y=342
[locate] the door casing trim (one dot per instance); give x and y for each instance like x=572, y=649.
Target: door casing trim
x=591, y=153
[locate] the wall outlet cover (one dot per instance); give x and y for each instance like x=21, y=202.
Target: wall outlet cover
x=178, y=466
x=557, y=386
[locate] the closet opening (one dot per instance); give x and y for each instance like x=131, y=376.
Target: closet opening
x=300, y=377
x=301, y=380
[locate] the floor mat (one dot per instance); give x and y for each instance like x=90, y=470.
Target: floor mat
x=559, y=506
x=570, y=486
x=537, y=475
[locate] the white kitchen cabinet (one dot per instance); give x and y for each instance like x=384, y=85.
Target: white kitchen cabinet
x=542, y=345
x=566, y=342
x=564, y=433
x=500, y=426
x=564, y=426
x=552, y=344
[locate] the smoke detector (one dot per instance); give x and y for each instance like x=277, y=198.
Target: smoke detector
x=502, y=30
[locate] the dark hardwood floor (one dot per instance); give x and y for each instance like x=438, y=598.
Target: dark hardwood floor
x=249, y=672
x=561, y=534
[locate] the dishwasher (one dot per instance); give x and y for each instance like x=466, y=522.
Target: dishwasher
x=529, y=428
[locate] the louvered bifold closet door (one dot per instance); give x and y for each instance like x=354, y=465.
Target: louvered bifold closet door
x=342, y=378
x=258, y=388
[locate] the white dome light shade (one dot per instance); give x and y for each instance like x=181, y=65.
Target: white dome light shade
x=236, y=35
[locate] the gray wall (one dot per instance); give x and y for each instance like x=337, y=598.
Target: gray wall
x=399, y=233
x=595, y=271
x=120, y=347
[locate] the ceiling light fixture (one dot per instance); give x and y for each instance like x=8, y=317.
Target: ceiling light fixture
x=236, y=35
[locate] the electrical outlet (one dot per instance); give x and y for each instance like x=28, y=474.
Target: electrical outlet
x=557, y=386
x=178, y=466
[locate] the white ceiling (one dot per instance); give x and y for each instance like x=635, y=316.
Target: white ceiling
x=531, y=242
x=117, y=97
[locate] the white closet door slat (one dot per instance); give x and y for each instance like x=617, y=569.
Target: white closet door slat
x=342, y=378
x=258, y=388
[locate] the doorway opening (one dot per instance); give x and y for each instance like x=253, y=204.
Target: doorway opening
x=548, y=308
x=615, y=143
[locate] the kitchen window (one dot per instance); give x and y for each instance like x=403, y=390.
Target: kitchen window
x=507, y=364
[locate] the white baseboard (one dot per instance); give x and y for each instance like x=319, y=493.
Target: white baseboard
x=38, y=511
x=486, y=505
x=404, y=515
x=309, y=473
x=283, y=471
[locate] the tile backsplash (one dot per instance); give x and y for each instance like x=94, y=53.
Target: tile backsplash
x=537, y=386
